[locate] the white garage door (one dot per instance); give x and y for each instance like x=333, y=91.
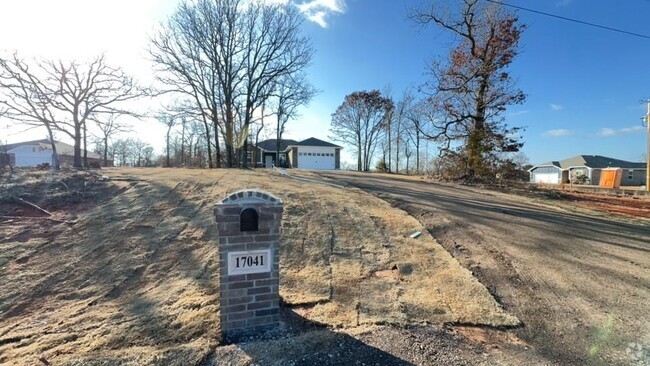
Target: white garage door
x=548, y=178
x=315, y=159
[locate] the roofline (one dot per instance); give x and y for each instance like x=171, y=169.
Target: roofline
x=544, y=165
x=263, y=149
x=335, y=146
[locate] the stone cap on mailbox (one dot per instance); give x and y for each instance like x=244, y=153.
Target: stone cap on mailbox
x=251, y=196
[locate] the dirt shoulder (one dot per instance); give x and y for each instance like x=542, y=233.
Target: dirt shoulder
x=577, y=278
x=130, y=274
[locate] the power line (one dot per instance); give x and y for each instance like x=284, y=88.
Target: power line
x=571, y=19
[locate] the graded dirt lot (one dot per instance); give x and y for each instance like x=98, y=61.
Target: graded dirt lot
x=125, y=271
x=578, y=279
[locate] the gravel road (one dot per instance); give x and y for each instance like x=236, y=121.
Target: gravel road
x=579, y=280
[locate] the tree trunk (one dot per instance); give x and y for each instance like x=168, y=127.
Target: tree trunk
x=359, y=152
x=244, y=154
x=182, y=143
x=56, y=164
x=229, y=135
x=397, y=151
x=77, y=147
x=407, y=165
x=207, y=138
x=277, y=141
x=105, y=151
x=417, y=150
x=85, y=145
x=216, y=144
x=390, y=152
x=168, y=132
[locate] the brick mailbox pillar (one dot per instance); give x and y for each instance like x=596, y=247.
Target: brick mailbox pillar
x=249, y=233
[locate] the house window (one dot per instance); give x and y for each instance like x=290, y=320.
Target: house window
x=630, y=174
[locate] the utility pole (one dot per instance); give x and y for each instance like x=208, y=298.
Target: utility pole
x=647, y=156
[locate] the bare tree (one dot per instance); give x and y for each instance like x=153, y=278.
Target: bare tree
x=413, y=127
x=472, y=89
x=169, y=121
x=29, y=96
x=275, y=50
x=108, y=129
x=65, y=95
x=359, y=121
x=290, y=92
x=227, y=55
x=196, y=49
x=123, y=149
x=401, y=126
x=5, y=158
x=147, y=156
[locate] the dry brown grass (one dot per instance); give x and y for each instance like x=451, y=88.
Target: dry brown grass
x=135, y=280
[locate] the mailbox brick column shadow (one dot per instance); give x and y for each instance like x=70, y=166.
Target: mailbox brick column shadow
x=248, y=222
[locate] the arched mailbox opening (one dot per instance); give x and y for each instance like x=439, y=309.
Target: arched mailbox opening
x=248, y=220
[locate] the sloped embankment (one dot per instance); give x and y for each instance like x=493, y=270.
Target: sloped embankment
x=135, y=279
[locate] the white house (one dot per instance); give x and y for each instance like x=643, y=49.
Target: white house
x=311, y=153
x=33, y=153
x=588, y=167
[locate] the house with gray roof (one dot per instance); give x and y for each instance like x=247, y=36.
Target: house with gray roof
x=311, y=153
x=587, y=168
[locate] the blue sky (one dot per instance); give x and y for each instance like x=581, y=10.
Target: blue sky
x=583, y=84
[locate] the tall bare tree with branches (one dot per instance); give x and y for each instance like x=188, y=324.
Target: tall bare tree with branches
x=472, y=89
x=290, y=92
x=227, y=55
x=108, y=128
x=64, y=96
x=359, y=121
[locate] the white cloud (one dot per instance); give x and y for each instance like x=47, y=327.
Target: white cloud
x=632, y=129
x=318, y=18
x=557, y=133
x=607, y=132
x=317, y=10
x=556, y=107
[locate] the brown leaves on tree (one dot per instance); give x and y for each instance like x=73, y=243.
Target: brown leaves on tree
x=471, y=90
